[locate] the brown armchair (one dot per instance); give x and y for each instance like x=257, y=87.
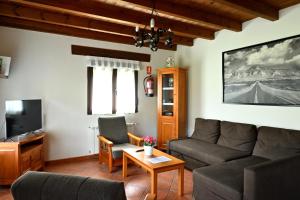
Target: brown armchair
x=113, y=138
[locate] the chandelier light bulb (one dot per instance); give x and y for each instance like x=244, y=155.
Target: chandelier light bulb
x=137, y=28
x=152, y=23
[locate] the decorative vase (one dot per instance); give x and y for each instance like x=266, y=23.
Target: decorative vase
x=170, y=62
x=148, y=150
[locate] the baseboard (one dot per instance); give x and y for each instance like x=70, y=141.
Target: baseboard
x=73, y=159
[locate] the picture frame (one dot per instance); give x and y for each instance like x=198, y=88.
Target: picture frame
x=4, y=66
x=0, y=65
x=263, y=74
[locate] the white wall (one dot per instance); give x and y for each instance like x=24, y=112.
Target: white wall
x=205, y=73
x=43, y=67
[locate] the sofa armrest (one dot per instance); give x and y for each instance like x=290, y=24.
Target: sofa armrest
x=179, y=139
x=277, y=179
x=169, y=141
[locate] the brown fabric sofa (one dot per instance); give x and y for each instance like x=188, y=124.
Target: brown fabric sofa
x=234, y=161
x=51, y=186
x=215, y=142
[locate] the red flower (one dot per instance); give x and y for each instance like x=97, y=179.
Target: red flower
x=149, y=141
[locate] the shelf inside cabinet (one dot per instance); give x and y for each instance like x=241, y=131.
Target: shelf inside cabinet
x=168, y=104
x=30, y=148
x=168, y=88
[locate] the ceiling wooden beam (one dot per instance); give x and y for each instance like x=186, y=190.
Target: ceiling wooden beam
x=25, y=12
x=69, y=31
x=121, y=15
x=109, y=53
x=253, y=7
x=189, y=13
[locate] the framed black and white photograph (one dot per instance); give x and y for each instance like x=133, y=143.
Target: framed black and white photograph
x=263, y=74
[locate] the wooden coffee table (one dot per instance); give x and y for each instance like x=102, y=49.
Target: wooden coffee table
x=140, y=159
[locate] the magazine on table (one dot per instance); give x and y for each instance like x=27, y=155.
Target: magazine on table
x=159, y=159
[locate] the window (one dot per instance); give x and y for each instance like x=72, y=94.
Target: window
x=112, y=90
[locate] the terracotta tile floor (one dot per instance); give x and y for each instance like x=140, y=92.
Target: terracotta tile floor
x=137, y=184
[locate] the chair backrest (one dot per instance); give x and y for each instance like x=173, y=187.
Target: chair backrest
x=50, y=186
x=114, y=129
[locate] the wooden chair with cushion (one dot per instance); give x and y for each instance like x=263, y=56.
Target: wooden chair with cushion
x=113, y=138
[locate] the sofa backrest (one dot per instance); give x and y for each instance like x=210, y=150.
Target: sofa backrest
x=207, y=130
x=50, y=186
x=274, y=143
x=238, y=136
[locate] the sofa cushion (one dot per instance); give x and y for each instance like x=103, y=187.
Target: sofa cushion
x=223, y=180
x=207, y=130
x=190, y=163
x=97, y=189
x=204, y=151
x=274, y=143
x=238, y=136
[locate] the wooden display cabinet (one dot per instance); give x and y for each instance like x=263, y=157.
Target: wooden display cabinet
x=171, y=105
x=19, y=155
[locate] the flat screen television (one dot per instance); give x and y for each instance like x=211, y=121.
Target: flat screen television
x=23, y=116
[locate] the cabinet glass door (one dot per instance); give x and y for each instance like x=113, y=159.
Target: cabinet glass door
x=167, y=94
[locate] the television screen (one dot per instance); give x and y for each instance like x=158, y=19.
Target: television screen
x=23, y=116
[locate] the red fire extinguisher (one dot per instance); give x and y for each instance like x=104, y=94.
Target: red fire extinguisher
x=149, y=83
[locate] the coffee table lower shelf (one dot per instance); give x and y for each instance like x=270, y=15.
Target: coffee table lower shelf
x=154, y=169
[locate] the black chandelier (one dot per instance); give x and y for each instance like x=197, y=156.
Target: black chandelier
x=142, y=36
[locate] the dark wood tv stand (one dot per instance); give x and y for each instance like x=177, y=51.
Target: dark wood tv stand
x=19, y=155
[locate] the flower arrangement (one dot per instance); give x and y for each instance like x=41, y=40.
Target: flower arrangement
x=149, y=141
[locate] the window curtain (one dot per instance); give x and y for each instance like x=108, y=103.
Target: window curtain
x=102, y=90
x=102, y=98
x=113, y=63
x=125, y=98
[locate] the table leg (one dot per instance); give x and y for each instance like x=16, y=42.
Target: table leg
x=153, y=182
x=181, y=180
x=124, y=165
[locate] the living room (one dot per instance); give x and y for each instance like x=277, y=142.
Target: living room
x=45, y=65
